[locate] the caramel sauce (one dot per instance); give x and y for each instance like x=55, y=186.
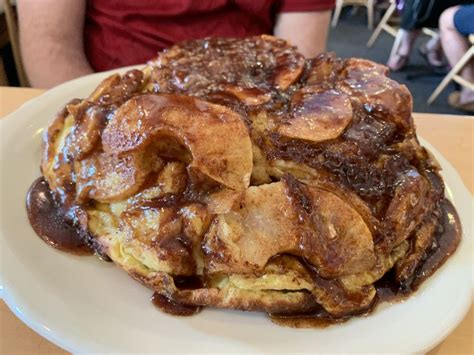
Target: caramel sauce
x=188, y=282
x=446, y=243
x=169, y=306
x=388, y=290
x=48, y=221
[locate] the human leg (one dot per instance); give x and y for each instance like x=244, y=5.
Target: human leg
x=454, y=46
x=405, y=38
x=433, y=52
x=402, y=48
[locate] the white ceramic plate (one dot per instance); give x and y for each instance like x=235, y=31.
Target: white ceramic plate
x=85, y=305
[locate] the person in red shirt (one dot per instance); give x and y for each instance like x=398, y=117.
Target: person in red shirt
x=62, y=40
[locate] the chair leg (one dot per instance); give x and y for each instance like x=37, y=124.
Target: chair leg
x=337, y=12
x=381, y=24
x=396, y=44
x=456, y=69
x=3, y=74
x=370, y=14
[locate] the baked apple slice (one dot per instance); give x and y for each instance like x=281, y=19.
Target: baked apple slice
x=215, y=136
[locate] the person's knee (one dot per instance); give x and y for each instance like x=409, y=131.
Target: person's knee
x=446, y=20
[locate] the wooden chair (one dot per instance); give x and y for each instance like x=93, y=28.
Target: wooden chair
x=393, y=31
x=453, y=74
x=369, y=4
x=12, y=28
x=383, y=24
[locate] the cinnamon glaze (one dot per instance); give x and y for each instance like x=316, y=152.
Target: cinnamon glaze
x=49, y=222
x=388, y=290
x=239, y=157
x=169, y=306
x=446, y=241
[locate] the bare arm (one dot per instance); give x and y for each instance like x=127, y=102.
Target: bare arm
x=306, y=30
x=51, y=40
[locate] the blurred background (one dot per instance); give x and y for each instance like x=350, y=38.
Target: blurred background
x=352, y=27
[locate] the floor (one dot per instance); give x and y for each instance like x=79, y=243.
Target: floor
x=349, y=39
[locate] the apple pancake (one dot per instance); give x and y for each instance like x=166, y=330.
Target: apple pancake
x=236, y=173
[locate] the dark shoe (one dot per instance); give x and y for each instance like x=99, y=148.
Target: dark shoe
x=454, y=101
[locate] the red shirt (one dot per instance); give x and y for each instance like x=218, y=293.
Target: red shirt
x=118, y=33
